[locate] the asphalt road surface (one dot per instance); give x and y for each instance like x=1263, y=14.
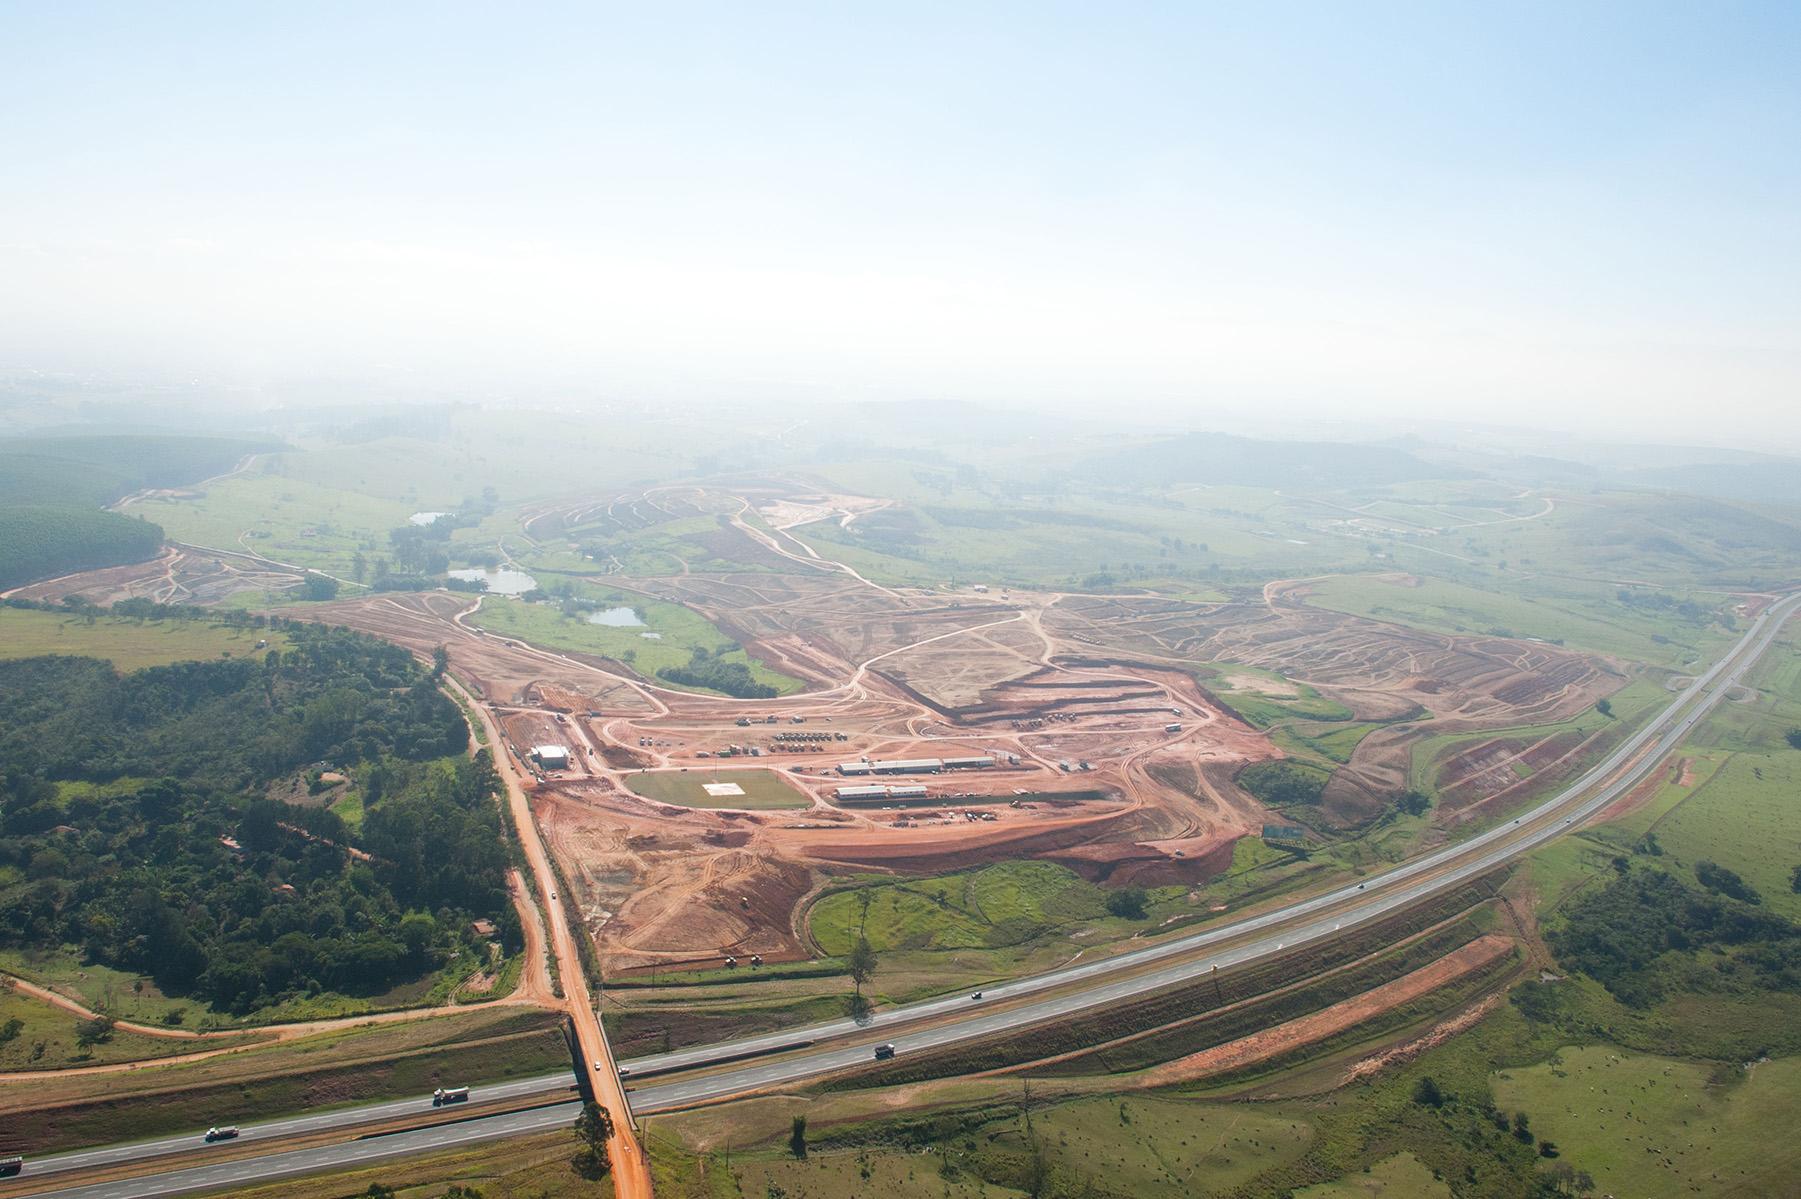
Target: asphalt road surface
x=959, y=1018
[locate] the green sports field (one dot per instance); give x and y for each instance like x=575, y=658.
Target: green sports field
x=762, y=789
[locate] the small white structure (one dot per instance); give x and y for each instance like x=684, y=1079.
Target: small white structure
x=551, y=757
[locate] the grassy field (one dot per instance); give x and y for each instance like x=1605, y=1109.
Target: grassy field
x=1001, y=905
x=1150, y=1146
x=45, y=1038
x=1744, y=816
x=1402, y=1176
x=679, y=632
x=762, y=789
x=1646, y=1125
x=280, y=518
x=128, y=644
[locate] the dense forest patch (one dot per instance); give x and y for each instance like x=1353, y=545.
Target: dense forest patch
x=197, y=880
x=41, y=542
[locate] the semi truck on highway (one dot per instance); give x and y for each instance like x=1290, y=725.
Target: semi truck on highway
x=444, y=1095
x=225, y=1133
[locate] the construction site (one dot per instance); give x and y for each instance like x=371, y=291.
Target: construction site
x=938, y=730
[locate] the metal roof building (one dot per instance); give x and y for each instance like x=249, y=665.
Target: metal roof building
x=909, y=766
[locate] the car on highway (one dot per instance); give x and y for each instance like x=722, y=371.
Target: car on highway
x=884, y=1052
x=977, y=995
x=222, y=1133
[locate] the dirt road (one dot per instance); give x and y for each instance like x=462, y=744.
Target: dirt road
x=631, y=1171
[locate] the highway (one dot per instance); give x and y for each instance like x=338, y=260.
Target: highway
x=1004, y=1007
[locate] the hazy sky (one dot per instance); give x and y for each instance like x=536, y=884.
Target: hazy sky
x=1570, y=214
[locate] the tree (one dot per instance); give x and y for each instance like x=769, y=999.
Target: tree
x=1426, y=1092
x=1129, y=902
x=861, y=963
x=1522, y=1128
x=1794, y=738
x=797, y=1138
x=97, y=1031
x=1794, y=880
x=359, y=567
x=1604, y=707
x=440, y=662
x=595, y=1128
x=1414, y=803
x=315, y=586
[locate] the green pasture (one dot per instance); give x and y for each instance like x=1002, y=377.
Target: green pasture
x=1644, y=1125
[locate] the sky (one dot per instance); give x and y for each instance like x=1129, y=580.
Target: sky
x=1579, y=216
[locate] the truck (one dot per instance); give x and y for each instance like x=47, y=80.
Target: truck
x=444, y=1095
x=10, y=1166
x=884, y=1052
x=222, y=1132
x=1172, y=728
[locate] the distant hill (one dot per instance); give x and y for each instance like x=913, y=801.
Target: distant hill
x=94, y=471
x=1248, y=462
x=53, y=490
x=1768, y=481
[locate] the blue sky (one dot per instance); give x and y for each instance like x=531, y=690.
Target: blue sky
x=1562, y=214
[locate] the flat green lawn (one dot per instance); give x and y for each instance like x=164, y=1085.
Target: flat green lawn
x=1646, y=1126
x=679, y=632
x=762, y=789
x=1402, y=1176
x=128, y=644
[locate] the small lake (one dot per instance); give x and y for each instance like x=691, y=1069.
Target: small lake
x=426, y=518
x=500, y=582
x=615, y=618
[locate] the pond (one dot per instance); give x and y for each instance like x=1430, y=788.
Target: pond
x=500, y=582
x=617, y=618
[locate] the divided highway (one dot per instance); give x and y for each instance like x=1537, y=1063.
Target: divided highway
x=836, y=1045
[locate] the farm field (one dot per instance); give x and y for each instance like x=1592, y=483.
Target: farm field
x=762, y=789
x=128, y=644
x=1645, y=1125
